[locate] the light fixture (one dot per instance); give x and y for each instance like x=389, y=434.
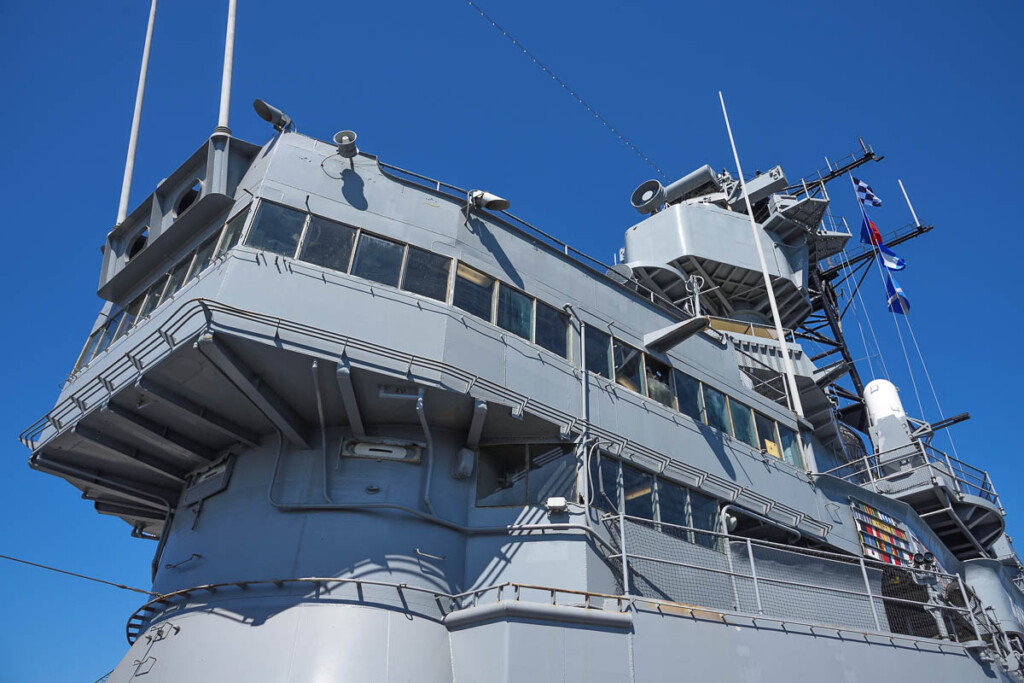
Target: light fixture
x=557, y=505
x=272, y=115
x=346, y=142
x=478, y=199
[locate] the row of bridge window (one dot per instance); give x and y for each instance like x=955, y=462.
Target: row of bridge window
x=307, y=237
x=640, y=372
x=516, y=475
x=349, y=249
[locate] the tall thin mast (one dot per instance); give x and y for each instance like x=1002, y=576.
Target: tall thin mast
x=911, y=206
x=225, y=85
x=129, y=164
x=783, y=346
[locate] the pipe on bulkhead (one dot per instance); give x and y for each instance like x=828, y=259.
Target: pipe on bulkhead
x=323, y=426
x=421, y=413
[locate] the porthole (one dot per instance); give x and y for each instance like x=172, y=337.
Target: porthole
x=137, y=244
x=188, y=197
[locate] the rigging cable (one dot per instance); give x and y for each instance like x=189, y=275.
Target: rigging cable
x=899, y=332
x=867, y=316
x=568, y=89
x=935, y=394
x=80, y=576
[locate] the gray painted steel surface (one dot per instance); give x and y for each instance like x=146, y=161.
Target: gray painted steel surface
x=307, y=446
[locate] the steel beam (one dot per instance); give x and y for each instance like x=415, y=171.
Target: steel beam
x=155, y=498
x=119, y=449
x=250, y=384
x=157, y=436
x=476, y=426
x=349, y=400
x=196, y=413
x=120, y=510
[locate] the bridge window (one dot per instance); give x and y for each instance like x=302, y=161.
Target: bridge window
x=766, y=438
x=743, y=423
x=704, y=515
x=328, y=244
x=552, y=331
x=515, y=312
x=638, y=492
x=673, y=507
x=276, y=229
x=598, y=352
x=691, y=401
x=426, y=274
x=204, y=256
x=378, y=259
x=658, y=380
x=176, y=279
x=130, y=315
x=153, y=297
x=232, y=231
x=790, y=447
x=108, y=332
x=627, y=366
x=473, y=292
x=90, y=349
x=716, y=409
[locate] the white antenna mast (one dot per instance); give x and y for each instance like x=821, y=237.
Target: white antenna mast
x=225, y=85
x=913, y=213
x=133, y=140
x=783, y=346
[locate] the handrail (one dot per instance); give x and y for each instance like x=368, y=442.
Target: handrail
x=454, y=601
x=532, y=232
x=170, y=336
x=966, y=478
x=686, y=574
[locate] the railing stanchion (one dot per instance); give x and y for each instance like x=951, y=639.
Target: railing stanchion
x=753, y=574
x=871, y=599
x=622, y=549
x=969, y=608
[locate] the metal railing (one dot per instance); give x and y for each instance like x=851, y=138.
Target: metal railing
x=887, y=471
x=791, y=584
x=536, y=235
x=325, y=588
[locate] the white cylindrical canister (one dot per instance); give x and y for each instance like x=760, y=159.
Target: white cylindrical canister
x=882, y=399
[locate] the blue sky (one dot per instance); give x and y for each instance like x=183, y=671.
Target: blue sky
x=434, y=88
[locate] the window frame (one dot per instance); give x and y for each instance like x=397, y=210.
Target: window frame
x=532, y=305
x=246, y=233
x=409, y=248
x=243, y=232
x=355, y=254
x=493, y=294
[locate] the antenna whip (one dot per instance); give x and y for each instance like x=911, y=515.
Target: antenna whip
x=569, y=90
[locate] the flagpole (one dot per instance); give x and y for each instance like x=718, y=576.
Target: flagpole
x=133, y=139
x=912, y=212
x=225, y=85
x=783, y=346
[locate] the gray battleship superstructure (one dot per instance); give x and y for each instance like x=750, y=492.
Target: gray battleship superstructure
x=381, y=429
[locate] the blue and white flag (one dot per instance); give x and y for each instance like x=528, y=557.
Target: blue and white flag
x=864, y=193
x=889, y=259
x=897, y=300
